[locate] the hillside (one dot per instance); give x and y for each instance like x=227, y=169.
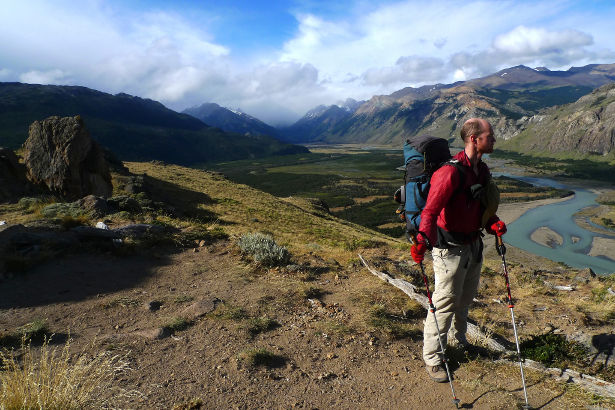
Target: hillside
x=505, y=98
x=133, y=128
x=586, y=126
x=231, y=121
x=200, y=324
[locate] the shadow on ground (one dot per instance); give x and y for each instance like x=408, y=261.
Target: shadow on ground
x=76, y=277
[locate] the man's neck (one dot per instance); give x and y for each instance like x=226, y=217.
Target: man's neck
x=473, y=156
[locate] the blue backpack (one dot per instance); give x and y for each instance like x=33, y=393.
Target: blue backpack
x=423, y=155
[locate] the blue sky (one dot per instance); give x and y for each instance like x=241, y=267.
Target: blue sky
x=277, y=59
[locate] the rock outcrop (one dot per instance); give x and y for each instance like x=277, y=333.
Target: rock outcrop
x=60, y=154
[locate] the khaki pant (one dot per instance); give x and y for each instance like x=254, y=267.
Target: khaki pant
x=457, y=273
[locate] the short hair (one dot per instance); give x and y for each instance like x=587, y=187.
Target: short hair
x=470, y=127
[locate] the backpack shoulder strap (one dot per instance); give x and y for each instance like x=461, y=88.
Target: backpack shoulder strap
x=460, y=170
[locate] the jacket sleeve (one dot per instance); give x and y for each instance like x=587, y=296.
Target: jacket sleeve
x=444, y=182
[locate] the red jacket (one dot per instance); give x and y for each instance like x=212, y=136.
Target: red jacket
x=450, y=207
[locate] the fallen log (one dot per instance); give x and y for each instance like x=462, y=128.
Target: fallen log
x=474, y=333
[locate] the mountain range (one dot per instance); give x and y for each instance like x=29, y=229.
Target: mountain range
x=507, y=99
x=586, y=125
x=231, y=120
x=134, y=128
x=531, y=109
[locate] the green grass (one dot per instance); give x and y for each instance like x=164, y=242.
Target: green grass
x=177, y=324
x=227, y=311
x=595, y=167
x=553, y=350
x=261, y=357
x=339, y=178
x=261, y=324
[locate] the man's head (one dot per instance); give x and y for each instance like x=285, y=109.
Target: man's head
x=478, y=133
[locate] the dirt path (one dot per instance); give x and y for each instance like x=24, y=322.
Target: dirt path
x=326, y=358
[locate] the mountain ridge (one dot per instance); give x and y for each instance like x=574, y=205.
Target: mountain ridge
x=231, y=120
x=132, y=127
x=506, y=98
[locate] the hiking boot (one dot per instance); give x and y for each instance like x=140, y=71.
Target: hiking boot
x=437, y=373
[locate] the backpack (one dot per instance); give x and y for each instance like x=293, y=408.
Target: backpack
x=423, y=155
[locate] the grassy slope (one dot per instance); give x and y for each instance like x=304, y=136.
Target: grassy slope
x=293, y=221
x=374, y=308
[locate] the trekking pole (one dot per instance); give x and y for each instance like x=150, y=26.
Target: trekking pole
x=432, y=309
x=502, y=251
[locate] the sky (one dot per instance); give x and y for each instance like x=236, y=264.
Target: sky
x=277, y=59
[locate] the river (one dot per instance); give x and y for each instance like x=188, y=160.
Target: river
x=559, y=217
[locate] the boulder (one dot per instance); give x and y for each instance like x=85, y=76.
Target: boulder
x=60, y=154
x=94, y=205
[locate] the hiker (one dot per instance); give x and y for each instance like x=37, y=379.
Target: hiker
x=451, y=223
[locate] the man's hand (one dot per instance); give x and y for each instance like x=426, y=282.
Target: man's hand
x=418, y=251
x=498, y=228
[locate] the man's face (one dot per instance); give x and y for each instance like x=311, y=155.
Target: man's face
x=485, y=140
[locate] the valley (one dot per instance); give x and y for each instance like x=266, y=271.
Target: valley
x=356, y=182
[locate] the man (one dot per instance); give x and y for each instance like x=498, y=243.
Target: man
x=451, y=223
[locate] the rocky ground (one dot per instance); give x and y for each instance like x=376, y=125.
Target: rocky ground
x=201, y=325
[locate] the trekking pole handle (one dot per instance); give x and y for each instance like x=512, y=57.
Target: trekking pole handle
x=500, y=245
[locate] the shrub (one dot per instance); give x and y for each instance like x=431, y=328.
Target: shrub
x=51, y=381
x=62, y=209
x=229, y=312
x=262, y=324
x=552, y=349
x=261, y=357
x=355, y=243
x=30, y=205
x=177, y=324
x=263, y=249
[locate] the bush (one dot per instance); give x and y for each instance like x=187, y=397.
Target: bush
x=30, y=205
x=261, y=324
x=263, y=249
x=62, y=209
x=553, y=349
x=177, y=324
x=261, y=357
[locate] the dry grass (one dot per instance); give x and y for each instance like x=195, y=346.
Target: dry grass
x=44, y=378
x=241, y=209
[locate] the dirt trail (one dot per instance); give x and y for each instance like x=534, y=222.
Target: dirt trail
x=322, y=364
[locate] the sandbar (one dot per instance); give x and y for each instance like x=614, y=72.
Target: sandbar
x=509, y=212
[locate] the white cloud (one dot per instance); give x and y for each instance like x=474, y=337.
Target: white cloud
x=408, y=69
x=172, y=58
x=55, y=76
x=535, y=42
